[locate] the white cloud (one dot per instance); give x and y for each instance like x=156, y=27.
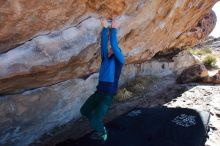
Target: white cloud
x=216, y=31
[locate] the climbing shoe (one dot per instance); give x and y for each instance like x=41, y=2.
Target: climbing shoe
x=105, y=135
x=99, y=136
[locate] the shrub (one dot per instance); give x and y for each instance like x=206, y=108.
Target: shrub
x=210, y=61
x=201, y=51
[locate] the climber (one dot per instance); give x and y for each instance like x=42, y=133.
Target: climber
x=112, y=61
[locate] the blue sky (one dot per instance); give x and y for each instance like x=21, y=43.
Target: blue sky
x=216, y=31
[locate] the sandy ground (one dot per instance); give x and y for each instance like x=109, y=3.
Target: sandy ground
x=160, y=92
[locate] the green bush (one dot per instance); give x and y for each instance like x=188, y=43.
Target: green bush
x=201, y=51
x=210, y=61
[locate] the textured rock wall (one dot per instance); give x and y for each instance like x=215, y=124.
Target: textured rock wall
x=46, y=42
x=20, y=20
x=196, y=34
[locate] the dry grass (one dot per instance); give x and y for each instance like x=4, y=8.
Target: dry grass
x=137, y=87
x=123, y=94
x=200, y=51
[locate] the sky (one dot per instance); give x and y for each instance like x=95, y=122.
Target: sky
x=216, y=31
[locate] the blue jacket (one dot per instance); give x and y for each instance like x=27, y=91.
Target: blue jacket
x=110, y=68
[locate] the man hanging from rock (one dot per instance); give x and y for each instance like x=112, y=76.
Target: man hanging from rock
x=112, y=61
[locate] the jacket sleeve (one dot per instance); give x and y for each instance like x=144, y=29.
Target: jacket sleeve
x=114, y=44
x=104, y=43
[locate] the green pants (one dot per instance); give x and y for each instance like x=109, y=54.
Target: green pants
x=95, y=108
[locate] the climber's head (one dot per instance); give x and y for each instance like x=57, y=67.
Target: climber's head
x=110, y=52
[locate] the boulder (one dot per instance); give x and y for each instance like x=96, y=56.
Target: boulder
x=50, y=54
x=46, y=42
x=213, y=79
x=193, y=73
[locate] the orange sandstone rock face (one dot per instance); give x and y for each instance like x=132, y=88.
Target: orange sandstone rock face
x=197, y=33
x=21, y=20
x=46, y=42
x=107, y=8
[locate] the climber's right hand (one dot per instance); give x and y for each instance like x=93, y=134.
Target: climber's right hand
x=104, y=22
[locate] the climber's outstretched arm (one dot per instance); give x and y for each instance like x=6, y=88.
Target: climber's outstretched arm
x=114, y=44
x=104, y=43
x=104, y=39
